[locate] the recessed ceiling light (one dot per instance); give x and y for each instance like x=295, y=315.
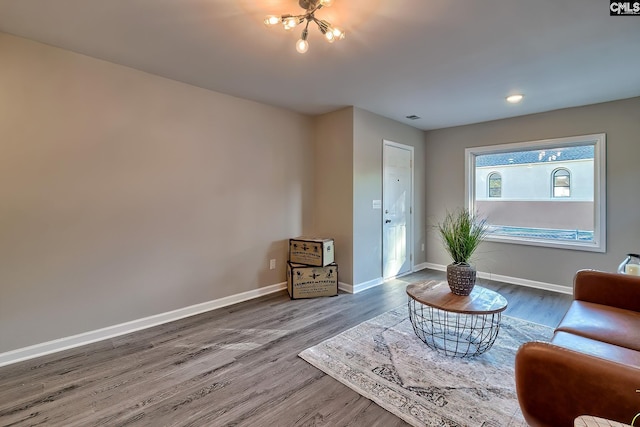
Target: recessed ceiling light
x=514, y=99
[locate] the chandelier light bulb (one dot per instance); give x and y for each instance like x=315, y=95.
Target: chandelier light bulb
x=271, y=20
x=329, y=36
x=290, y=23
x=302, y=46
x=338, y=34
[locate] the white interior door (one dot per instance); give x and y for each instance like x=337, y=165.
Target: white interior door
x=397, y=201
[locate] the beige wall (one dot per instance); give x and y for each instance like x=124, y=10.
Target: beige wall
x=124, y=195
x=333, y=186
x=348, y=177
x=620, y=120
x=369, y=132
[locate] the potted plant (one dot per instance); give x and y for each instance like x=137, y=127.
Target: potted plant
x=461, y=233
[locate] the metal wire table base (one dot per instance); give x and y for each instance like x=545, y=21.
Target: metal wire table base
x=454, y=334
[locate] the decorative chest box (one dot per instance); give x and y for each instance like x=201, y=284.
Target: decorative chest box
x=311, y=251
x=304, y=281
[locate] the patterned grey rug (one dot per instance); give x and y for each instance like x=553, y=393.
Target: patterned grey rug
x=383, y=360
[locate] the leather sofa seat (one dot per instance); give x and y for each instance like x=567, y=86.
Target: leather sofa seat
x=604, y=323
x=592, y=364
x=598, y=349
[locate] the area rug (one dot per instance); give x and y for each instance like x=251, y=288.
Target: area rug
x=383, y=360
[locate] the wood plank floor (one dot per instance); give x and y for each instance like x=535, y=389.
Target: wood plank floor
x=235, y=366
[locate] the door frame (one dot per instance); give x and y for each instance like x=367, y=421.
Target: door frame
x=389, y=143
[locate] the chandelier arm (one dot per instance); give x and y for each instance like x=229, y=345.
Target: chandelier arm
x=316, y=8
x=305, y=32
x=322, y=25
x=285, y=16
x=310, y=5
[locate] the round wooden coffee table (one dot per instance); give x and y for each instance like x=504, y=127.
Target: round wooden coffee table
x=459, y=326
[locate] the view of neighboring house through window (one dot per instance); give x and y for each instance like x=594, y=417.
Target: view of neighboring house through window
x=495, y=185
x=561, y=183
x=544, y=193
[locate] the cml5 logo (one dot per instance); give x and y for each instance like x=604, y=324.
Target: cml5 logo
x=624, y=8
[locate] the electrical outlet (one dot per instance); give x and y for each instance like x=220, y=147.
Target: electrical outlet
x=423, y=247
x=272, y=264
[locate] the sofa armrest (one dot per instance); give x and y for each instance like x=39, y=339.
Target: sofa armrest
x=555, y=385
x=612, y=289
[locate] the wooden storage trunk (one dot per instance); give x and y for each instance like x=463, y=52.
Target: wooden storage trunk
x=311, y=251
x=304, y=281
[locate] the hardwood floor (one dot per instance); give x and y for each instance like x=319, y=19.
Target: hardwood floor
x=235, y=366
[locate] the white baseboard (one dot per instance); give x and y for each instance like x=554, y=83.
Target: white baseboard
x=345, y=287
x=432, y=266
x=513, y=280
x=375, y=282
x=368, y=285
x=89, y=337
x=379, y=281
x=419, y=267
x=360, y=286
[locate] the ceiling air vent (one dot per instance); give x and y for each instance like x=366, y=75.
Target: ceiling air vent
x=413, y=117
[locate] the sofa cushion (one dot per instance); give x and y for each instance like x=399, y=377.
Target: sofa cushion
x=597, y=348
x=602, y=323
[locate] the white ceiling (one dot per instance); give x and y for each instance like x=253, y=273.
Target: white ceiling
x=450, y=63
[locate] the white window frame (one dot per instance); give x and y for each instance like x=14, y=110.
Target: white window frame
x=599, y=189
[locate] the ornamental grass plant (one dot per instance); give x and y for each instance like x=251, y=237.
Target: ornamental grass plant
x=462, y=232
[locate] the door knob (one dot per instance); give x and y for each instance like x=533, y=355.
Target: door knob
x=387, y=221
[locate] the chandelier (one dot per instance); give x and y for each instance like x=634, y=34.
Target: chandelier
x=289, y=22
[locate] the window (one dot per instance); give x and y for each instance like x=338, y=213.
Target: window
x=561, y=183
x=495, y=185
x=570, y=215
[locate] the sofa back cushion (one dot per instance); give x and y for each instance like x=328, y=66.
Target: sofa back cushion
x=613, y=289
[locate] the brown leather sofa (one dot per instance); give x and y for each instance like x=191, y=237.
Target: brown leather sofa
x=592, y=364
